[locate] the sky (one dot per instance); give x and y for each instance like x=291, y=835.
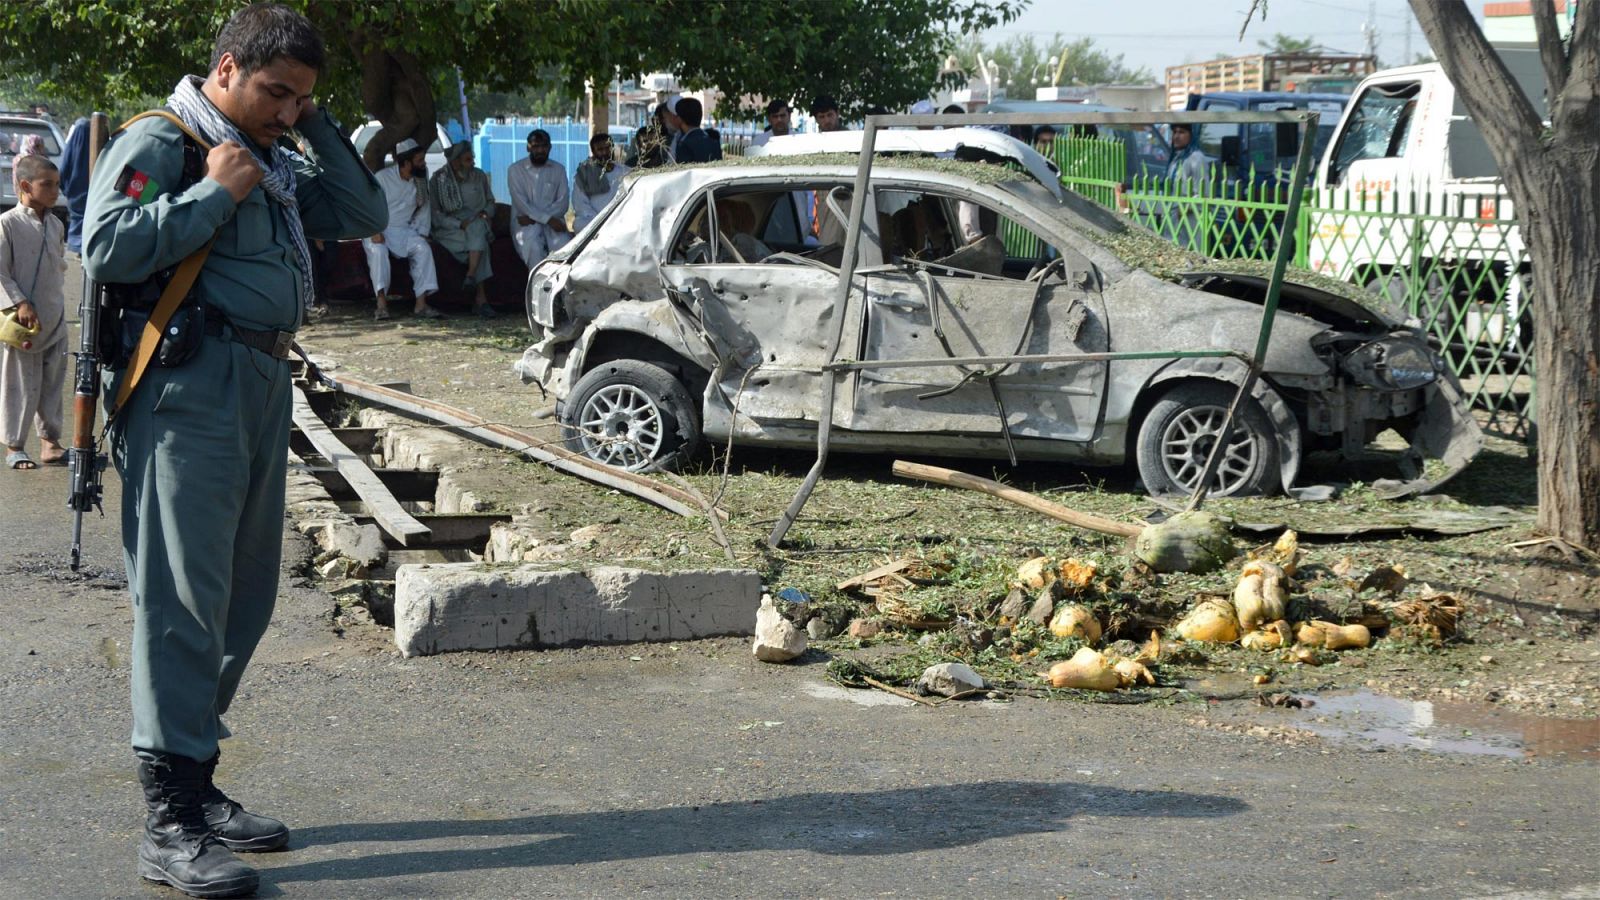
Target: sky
x=1155, y=34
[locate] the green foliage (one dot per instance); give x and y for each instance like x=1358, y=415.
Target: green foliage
x=112, y=54
x=1023, y=63
x=1283, y=43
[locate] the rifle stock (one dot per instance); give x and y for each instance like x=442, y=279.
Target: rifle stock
x=85, y=462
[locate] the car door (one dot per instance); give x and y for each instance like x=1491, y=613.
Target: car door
x=765, y=309
x=1006, y=291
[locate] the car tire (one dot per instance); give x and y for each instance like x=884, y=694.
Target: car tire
x=1177, y=434
x=632, y=415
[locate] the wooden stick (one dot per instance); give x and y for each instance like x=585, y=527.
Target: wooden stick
x=897, y=691
x=952, y=478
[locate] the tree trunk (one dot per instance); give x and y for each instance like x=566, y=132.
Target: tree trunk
x=1550, y=171
x=399, y=95
x=1560, y=226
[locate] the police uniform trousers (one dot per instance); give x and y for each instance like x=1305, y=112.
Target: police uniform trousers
x=202, y=449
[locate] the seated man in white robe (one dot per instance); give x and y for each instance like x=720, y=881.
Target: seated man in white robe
x=405, y=188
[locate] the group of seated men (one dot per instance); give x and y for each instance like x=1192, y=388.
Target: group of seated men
x=454, y=208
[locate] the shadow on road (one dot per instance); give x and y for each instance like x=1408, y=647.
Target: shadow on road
x=838, y=824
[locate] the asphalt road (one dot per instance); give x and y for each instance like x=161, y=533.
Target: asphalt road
x=691, y=770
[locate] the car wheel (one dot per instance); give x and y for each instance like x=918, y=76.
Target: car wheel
x=632, y=415
x=1180, y=430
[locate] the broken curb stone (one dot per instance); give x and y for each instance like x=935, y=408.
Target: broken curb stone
x=777, y=638
x=949, y=679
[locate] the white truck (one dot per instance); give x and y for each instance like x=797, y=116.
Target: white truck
x=1409, y=202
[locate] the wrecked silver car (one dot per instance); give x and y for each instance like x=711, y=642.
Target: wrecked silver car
x=699, y=306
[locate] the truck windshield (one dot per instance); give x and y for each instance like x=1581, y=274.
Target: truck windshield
x=1379, y=127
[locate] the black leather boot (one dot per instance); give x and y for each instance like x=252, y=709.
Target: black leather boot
x=178, y=847
x=238, y=828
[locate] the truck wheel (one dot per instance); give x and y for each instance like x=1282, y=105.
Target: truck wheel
x=632, y=415
x=1177, y=435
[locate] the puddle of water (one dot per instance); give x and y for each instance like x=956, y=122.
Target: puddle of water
x=1447, y=727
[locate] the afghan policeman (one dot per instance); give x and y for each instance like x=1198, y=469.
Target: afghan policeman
x=201, y=443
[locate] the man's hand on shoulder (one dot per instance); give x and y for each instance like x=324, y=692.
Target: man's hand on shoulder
x=235, y=168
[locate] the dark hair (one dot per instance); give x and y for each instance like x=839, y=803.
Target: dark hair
x=1185, y=126
x=689, y=111
x=824, y=103
x=597, y=138
x=1043, y=130
x=954, y=109
x=263, y=32
x=777, y=106
x=538, y=134
x=32, y=166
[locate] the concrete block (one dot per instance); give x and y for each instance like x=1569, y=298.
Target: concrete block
x=361, y=544
x=439, y=608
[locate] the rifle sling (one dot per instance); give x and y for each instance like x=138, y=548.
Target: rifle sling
x=171, y=296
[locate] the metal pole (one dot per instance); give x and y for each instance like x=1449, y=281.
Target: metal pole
x=830, y=378
x=1269, y=309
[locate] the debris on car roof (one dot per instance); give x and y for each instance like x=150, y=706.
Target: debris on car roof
x=980, y=172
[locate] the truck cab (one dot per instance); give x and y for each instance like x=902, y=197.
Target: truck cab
x=1409, y=203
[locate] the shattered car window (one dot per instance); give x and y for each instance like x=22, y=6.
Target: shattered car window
x=960, y=235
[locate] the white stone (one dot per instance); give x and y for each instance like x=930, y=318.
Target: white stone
x=467, y=606
x=777, y=639
x=949, y=679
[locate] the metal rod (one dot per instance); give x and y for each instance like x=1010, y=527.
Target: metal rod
x=1269, y=309
x=847, y=271
x=851, y=365
x=1297, y=116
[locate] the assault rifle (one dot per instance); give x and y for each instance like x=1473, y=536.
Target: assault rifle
x=85, y=462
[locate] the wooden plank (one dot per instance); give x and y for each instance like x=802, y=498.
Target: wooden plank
x=387, y=511
x=665, y=496
x=867, y=578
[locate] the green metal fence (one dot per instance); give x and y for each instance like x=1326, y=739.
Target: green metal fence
x=1452, y=258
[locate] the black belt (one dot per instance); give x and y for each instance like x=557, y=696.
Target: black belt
x=275, y=344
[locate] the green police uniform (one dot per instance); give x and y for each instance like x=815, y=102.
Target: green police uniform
x=202, y=447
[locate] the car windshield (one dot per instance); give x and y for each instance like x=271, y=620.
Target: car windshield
x=12, y=133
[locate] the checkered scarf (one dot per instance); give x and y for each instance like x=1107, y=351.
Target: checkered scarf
x=198, y=112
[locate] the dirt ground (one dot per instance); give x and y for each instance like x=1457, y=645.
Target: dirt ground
x=1527, y=640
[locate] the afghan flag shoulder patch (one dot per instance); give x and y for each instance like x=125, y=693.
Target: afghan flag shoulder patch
x=138, y=185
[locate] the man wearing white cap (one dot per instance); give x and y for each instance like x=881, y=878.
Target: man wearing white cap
x=405, y=188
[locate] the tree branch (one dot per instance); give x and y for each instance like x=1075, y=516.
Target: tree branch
x=1551, y=54
x=1579, y=104
x=1502, y=112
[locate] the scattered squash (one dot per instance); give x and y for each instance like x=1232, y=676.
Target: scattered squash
x=1076, y=620
x=1213, y=620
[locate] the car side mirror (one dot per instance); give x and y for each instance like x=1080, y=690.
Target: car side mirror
x=1288, y=139
x=1229, y=153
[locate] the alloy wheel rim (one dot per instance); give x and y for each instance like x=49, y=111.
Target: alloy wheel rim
x=622, y=426
x=1186, y=443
